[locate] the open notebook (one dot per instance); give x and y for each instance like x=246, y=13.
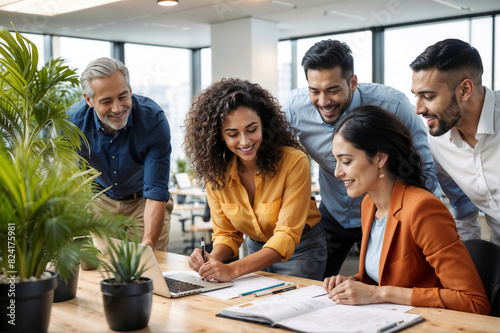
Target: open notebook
x=166, y=284
x=309, y=309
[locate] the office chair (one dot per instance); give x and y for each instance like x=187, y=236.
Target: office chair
x=486, y=257
x=193, y=228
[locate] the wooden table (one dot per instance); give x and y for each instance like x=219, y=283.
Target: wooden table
x=196, y=313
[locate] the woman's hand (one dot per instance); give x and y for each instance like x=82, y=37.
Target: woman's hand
x=216, y=270
x=212, y=269
x=196, y=259
x=352, y=292
x=332, y=282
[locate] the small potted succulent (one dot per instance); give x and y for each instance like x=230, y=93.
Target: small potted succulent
x=127, y=296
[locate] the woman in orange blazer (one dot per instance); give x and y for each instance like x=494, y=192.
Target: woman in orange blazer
x=410, y=251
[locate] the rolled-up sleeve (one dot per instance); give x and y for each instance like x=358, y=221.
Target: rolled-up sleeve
x=157, y=161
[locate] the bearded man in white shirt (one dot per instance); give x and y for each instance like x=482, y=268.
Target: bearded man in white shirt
x=464, y=126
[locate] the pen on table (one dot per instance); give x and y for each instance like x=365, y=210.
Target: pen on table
x=203, y=248
x=254, y=291
x=388, y=327
x=270, y=292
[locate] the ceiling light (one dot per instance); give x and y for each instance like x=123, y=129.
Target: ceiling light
x=50, y=7
x=167, y=3
x=282, y=3
x=453, y=4
x=356, y=17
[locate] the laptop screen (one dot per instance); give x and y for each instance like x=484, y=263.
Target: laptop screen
x=183, y=180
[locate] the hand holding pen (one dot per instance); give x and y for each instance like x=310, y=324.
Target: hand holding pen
x=199, y=257
x=203, y=249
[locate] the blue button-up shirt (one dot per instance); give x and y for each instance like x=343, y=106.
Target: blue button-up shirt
x=317, y=138
x=137, y=157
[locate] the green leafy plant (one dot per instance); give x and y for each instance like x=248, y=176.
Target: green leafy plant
x=124, y=261
x=182, y=165
x=32, y=106
x=43, y=212
x=45, y=187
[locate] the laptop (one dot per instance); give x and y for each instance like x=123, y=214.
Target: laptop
x=183, y=180
x=170, y=285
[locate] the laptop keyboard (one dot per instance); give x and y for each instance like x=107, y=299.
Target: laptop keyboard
x=177, y=286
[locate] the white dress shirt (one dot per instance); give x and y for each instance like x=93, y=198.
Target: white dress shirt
x=475, y=170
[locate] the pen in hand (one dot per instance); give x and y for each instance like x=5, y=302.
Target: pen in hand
x=203, y=248
x=203, y=251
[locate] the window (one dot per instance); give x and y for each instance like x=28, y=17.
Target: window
x=284, y=71
x=496, y=84
x=397, y=58
x=80, y=52
x=163, y=74
x=206, y=68
x=481, y=37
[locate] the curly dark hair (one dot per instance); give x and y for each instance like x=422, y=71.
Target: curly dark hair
x=204, y=122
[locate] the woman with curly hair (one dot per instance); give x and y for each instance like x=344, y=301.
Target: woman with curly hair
x=258, y=183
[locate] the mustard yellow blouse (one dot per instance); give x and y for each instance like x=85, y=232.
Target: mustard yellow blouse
x=282, y=206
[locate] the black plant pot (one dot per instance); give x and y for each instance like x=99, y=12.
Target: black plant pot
x=127, y=306
x=27, y=305
x=86, y=266
x=66, y=290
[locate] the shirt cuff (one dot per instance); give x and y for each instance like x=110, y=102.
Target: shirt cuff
x=158, y=194
x=232, y=244
x=282, y=243
x=428, y=297
x=463, y=211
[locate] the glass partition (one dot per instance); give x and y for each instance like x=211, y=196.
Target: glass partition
x=80, y=52
x=417, y=38
x=163, y=74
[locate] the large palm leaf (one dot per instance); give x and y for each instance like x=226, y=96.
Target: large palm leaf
x=33, y=102
x=45, y=187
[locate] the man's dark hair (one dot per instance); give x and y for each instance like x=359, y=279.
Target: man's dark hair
x=328, y=54
x=451, y=55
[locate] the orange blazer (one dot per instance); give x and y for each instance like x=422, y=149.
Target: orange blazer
x=421, y=250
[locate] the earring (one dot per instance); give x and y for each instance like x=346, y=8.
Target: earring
x=224, y=155
x=381, y=174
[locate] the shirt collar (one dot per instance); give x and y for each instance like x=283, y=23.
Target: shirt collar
x=485, y=124
x=356, y=100
x=233, y=169
x=486, y=120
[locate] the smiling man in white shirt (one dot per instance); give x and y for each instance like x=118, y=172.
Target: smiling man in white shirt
x=464, y=126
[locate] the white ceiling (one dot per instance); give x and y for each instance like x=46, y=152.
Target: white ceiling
x=188, y=24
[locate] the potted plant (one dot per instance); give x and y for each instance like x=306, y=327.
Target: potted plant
x=45, y=188
x=127, y=296
x=66, y=288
